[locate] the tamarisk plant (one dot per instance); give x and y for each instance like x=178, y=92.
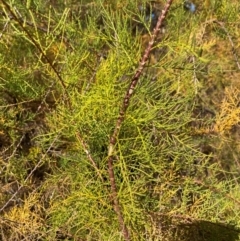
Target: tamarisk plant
x=100, y=132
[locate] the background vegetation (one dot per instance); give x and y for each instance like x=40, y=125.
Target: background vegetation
x=65, y=69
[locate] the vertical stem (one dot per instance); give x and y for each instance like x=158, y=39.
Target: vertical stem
x=122, y=112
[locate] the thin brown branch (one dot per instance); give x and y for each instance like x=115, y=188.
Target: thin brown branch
x=35, y=43
x=40, y=162
x=123, y=109
x=90, y=158
x=4, y=28
x=221, y=24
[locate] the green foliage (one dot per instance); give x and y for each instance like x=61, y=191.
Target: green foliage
x=64, y=74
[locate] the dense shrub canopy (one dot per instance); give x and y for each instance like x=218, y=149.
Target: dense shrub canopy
x=66, y=138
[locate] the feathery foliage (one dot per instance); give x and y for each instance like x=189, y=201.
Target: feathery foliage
x=65, y=73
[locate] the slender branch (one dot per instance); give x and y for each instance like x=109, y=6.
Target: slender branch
x=40, y=162
x=221, y=24
x=90, y=158
x=35, y=43
x=123, y=109
x=4, y=27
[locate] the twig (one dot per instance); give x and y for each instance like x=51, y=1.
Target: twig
x=194, y=77
x=35, y=43
x=84, y=145
x=221, y=24
x=10, y=17
x=30, y=174
x=123, y=109
x=5, y=27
